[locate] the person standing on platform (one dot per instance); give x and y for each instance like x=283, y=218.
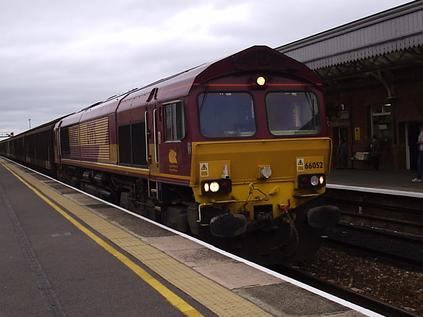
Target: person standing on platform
x=374, y=152
x=418, y=178
x=341, y=154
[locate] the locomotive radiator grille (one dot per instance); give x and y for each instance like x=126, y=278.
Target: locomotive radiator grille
x=94, y=137
x=90, y=140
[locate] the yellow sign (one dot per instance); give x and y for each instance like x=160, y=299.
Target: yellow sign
x=310, y=164
x=300, y=164
x=357, y=134
x=204, y=169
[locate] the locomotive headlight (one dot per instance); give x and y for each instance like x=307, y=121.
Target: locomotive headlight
x=314, y=180
x=311, y=180
x=214, y=187
x=261, y=81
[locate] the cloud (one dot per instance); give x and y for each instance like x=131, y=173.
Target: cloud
x=59, y=56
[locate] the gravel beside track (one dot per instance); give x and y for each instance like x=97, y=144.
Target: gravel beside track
x=392, y=282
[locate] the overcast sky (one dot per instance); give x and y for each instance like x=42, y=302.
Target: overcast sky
x=59, y=56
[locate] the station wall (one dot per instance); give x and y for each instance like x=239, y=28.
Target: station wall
x=363, y=108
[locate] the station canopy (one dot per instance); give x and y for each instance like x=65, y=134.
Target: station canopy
x=389, y=39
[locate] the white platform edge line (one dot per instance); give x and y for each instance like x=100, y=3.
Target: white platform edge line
x=377, y=190
x=304, y=286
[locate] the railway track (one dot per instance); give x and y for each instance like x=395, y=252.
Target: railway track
x=348, y=294
x=374, y=257
x=392, y=213
x=379, y=243
x=387, y=282
x=403, y=228
x=384, y=224
x=400, y=222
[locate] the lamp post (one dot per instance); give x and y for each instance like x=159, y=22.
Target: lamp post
x=29, y=123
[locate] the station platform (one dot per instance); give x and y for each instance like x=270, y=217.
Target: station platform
x=65, y=253
x=383, y=179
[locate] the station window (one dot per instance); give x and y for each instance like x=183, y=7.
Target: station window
x=381, y=122
x=174, y=121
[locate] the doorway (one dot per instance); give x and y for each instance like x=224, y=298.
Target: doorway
x=412, y=133
x=340, y=147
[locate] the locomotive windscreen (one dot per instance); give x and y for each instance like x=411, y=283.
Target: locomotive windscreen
x=291, y=113
x=226, y=114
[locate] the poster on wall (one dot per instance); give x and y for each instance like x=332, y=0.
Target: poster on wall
x=357, y=134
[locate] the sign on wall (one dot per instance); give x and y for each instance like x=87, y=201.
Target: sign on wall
x=357, y=134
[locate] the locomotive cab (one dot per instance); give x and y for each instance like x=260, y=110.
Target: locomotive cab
x=261, y=154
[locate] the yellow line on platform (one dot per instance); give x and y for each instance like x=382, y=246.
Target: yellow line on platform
x=170, y=296
x=215, y=297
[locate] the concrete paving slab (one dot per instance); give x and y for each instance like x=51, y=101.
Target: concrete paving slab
x=285, y=299
x=81, y=198
x=142, y=229
x=241, y=275
x=395, y=180
x=199, y=257
x=172, y=243
x=61, y=188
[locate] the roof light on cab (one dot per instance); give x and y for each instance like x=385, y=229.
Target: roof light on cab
x=261, y=81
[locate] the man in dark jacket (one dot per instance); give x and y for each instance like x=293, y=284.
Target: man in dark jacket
x=418, y=178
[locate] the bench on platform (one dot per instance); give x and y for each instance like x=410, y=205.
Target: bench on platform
x=361, y=156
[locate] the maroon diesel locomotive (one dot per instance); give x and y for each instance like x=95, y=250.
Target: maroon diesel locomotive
x=236, y=149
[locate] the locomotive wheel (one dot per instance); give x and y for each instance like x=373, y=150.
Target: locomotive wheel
x=275, y=247
x=307, y=245
x=176, y=218
x=192, y=217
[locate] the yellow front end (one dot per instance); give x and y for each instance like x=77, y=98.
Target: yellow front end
x=261, y=172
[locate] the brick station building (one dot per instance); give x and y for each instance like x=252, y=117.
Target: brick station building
x=373, y=72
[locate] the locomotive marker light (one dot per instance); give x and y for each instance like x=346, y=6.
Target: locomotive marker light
x=261, y=81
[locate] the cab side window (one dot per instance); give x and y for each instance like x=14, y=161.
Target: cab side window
x=174, y=121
